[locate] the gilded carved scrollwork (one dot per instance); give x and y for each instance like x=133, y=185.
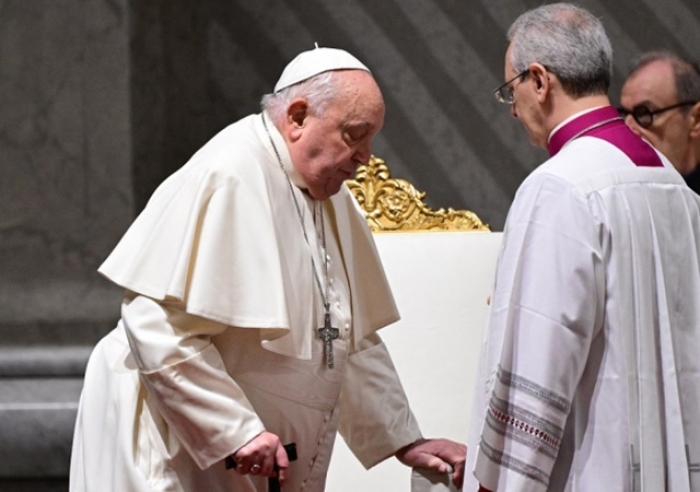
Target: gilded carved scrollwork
x=395, y=205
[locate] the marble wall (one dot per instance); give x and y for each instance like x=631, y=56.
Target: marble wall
x=66, y=196
x=65, y=158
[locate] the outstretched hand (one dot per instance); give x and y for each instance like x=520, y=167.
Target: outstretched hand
x=436, y=454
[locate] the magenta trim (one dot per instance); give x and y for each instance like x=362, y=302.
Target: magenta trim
x=616, y=133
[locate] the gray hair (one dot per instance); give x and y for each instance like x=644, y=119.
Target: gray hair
x=686, y=74
x=319, y=90
x=569, y=41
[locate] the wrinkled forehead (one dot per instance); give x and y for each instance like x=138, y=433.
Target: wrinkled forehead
x=359, y=92
x=651, y=83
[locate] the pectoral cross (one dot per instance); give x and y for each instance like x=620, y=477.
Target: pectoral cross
x=328, y=334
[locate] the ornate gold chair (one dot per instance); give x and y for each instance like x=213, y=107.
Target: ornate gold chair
x=395, y=205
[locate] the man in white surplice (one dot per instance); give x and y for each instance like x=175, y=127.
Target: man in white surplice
x=239, y=263
x=590, y=375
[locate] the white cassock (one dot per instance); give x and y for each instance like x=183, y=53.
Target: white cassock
x=590, y=369
x=217, y=340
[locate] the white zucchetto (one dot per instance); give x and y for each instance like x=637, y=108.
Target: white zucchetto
x=313, y=62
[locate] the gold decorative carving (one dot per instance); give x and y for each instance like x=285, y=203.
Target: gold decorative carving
x=395, y=205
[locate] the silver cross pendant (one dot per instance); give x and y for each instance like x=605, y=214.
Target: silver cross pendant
x=328, y=334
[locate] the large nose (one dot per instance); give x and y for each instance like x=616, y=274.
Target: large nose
x=362, y=154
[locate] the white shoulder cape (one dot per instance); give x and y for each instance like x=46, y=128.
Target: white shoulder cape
x=221, y=235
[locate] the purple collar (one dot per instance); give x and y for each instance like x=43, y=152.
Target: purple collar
x=605, y=123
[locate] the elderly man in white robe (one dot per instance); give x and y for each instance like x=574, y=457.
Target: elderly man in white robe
x=253, y=297
x=590, y=368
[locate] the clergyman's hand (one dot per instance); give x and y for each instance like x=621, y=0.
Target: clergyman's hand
x=260, y=455
x=436, y=454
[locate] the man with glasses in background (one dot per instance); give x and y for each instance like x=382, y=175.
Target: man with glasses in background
x=660, y=101
x=589, y=376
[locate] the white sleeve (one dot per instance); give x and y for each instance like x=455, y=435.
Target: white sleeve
x=375, y=418
x=184, y=372
x=546, y=308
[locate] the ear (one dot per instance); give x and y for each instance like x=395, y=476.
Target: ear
x=694, y=116
x=540, y=77
x=295, y=118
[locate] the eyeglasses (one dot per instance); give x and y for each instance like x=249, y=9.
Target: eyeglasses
x=645, y=116
x=504, y=94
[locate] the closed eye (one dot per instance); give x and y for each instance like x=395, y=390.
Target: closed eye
x=355, y=133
